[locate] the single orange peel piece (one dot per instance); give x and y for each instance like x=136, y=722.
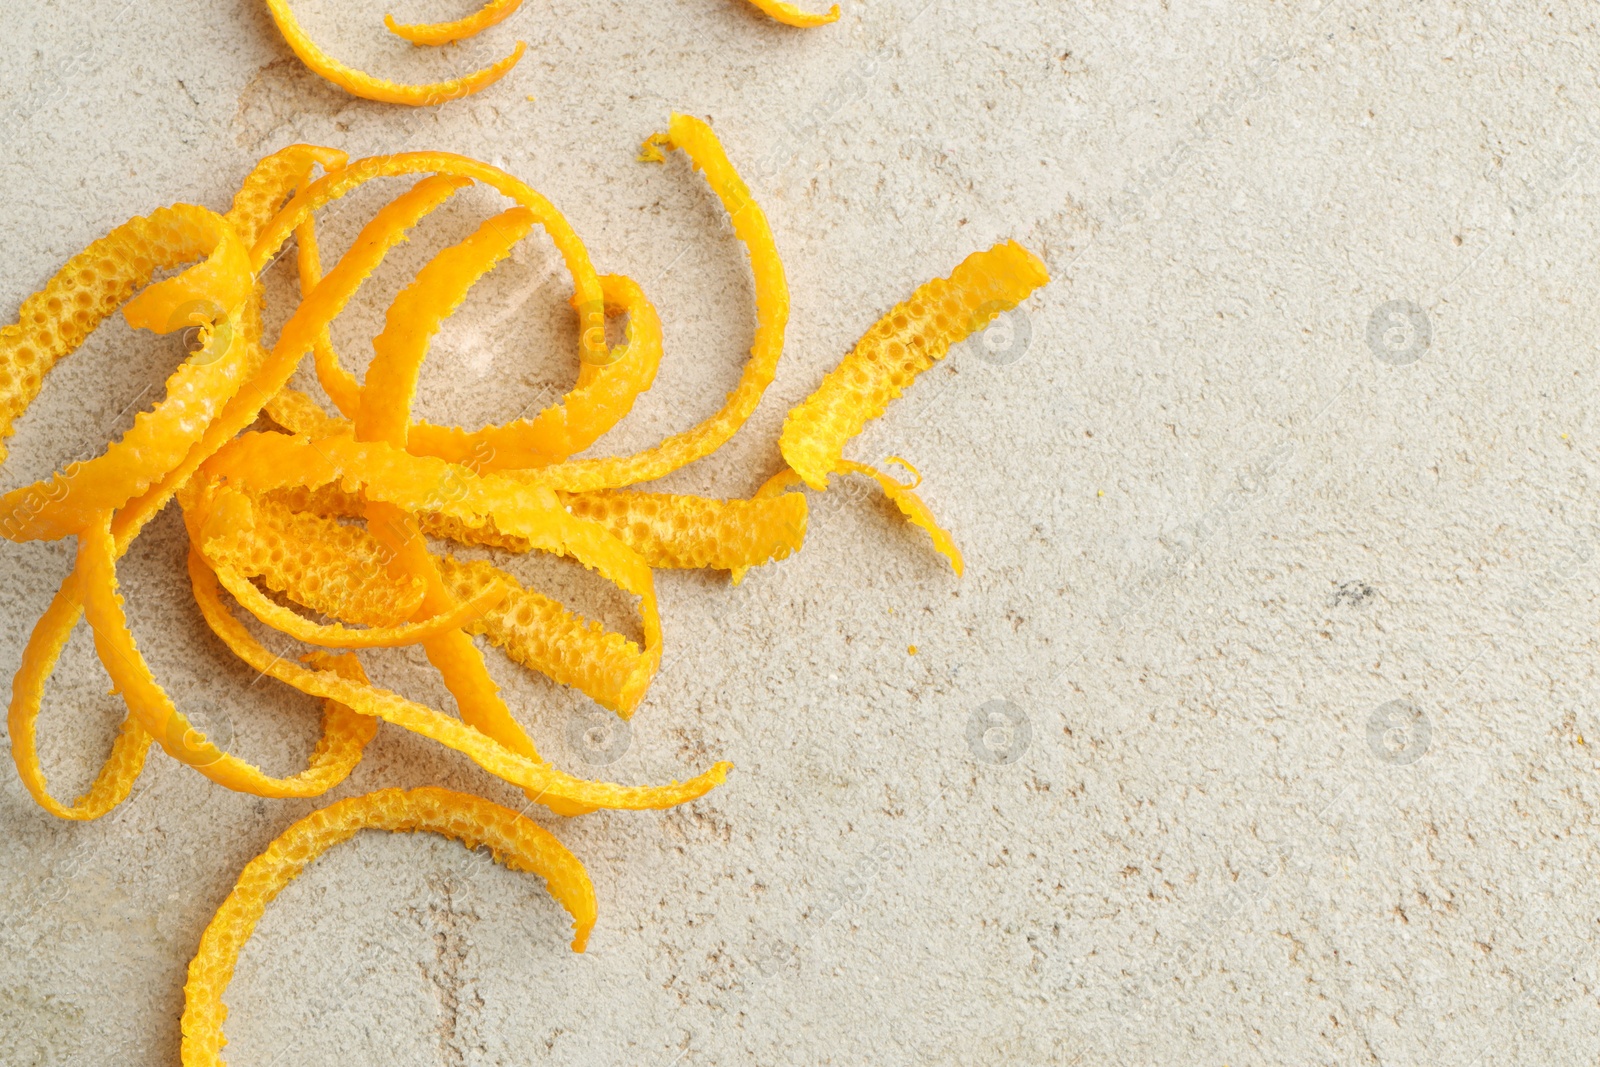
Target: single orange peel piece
x=59, y=318
x=696, y=140
x=513, y=841
x=913, y=336
x=368, y=87
x=792, y=15
x=437, y=33
x=901, y=345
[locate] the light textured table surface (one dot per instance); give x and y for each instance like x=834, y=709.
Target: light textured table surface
x=1277, y=505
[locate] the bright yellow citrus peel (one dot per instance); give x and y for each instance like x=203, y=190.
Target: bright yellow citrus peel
x=792, y=15
x=420, y=33
x=512, y=840
x=290, y=507
x=907, y=341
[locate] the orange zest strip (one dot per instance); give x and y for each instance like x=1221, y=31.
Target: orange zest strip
x=540, y=634
x=791, y=15
x=603, y=396
x=402, y=213
x=415, y=317
x=368, y=87
x=549, y=786
x=912, y=507
x=513, y=840
x=676, y=531
x=384, y=417
x=274, y=180
x=336, y=570
x=436, y=33
x=56, y=320
x=115, y=779
x=696, y=140
x=298, y=413
x=901, y=345
x=335, y=636
x=149, y=705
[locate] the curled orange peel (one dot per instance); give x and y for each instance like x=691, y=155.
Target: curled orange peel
x=695, y=139
x=792, y=15
x=385, y=416
x=553, y=787
x=907, y=341
x=904, y=343
x=436, y=33
x=678, y=531
x=56, y=320
x=513, y=841
x=335, y=636
x=155, y=712
x=368, y=87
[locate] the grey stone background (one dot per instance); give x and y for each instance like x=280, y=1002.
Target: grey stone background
x=1261, y=729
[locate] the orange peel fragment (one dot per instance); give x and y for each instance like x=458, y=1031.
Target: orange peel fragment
x=913, y=336
x=907, y=341
x=368, y=87
x=436, y=33
x=791, y=14
x=513, y=841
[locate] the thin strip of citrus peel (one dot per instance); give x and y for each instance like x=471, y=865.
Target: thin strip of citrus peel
x=436, y=33
x=791, y=14
x=514, y=841
x=913, y=336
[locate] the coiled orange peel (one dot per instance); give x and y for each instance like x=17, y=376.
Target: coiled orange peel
x=288, y=506
x=513, y=840
x=907, y=341
x=792, y=15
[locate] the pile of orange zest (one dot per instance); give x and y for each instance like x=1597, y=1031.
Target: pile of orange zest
x=369, y=87
x=513, y=840
x=907, y=341
x=791, y=15
x=419, y=33
x=299, y=555
x=88, y=289
x=288, y=506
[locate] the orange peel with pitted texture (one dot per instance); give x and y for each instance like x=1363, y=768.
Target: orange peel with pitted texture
x=290, y=507
x=512, y=840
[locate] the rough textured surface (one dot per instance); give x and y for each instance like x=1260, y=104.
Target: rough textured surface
x=1222, y=501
